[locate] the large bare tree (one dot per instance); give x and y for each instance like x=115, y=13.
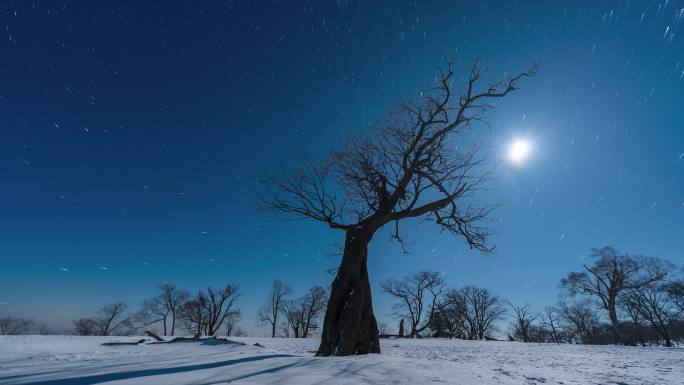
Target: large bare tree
x=611, y=274
x=409, y=165
x=417, y=298
x=268, y=314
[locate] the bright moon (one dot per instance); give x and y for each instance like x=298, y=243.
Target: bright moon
x=519, y=151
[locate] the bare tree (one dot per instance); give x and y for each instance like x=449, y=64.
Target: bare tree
x=13, y=326
x=417, y=297
x=583, y=318
x=294, y=317
x=551, y=318
x=85, y=327
x=523, y=321
x=609, y=275
x=111, y=318
x=151, y=312
x=653, y=304
x=675, y=291
x=314, y=305
x=268, y=315
x=231, y=322
x=482, y=310
x=218, y=304
x=630, y=306
x=171, y=299
x=408, y=166
x=450, y=320
x=193, y=314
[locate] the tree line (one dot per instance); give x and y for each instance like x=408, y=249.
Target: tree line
x=615, y=299
x=206, y=313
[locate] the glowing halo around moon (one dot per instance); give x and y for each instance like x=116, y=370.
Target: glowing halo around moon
x=519, y=150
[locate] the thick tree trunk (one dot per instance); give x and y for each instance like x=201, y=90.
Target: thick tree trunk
x=619, y=334
x=349, y=326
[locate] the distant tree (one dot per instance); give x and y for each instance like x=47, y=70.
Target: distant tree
x=218, y=305
x=408, y=166
x=111, y=318
x=610, y=275
x=171, y=300
x=653, y=304
x=630, y=306
x=193, y=314
x=450, y=320
x=383, y=328
x=85, y=327
x=294, y=317
x=675, y=292
x=522, y=325
x=151, y=312
x=13, y=326
x=551, y=318
x=401, y=328
x=482, y=310
x=417, y=297
x=162, y=308
x=302, y=315
x=268, y=314
x=231, y=322
x=44, y=330
x=583, y=318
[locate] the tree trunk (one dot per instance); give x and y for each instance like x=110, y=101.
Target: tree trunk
x=619, y=334
x=349, y=326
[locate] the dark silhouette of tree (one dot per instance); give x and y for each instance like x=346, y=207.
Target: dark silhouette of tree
x=219, y=304
x=417, y=298
x=610, y=275
x=231, y=322
x=13, y=325
x=111, y=318
x=653, y=304
x=675, y=291
x=268, y=315
x=482, y=310
x=583, y=318
x=551, y=318
x=408, y=166
x=470, y=312
x=302, y=315
x=524, y=318
x=193, y=314
x=163, y=308
x=206, y=312
x=85, y=327
x=170, y=300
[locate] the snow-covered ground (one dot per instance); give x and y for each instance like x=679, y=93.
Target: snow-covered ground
x=82, y=360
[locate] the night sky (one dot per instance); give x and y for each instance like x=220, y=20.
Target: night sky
x=133, y=135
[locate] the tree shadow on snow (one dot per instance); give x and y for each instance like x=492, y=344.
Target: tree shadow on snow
x=94, y=379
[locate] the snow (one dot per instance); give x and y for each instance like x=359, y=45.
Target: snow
x=82, y=360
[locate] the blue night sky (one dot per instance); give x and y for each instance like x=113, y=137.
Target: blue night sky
x=133, y=135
